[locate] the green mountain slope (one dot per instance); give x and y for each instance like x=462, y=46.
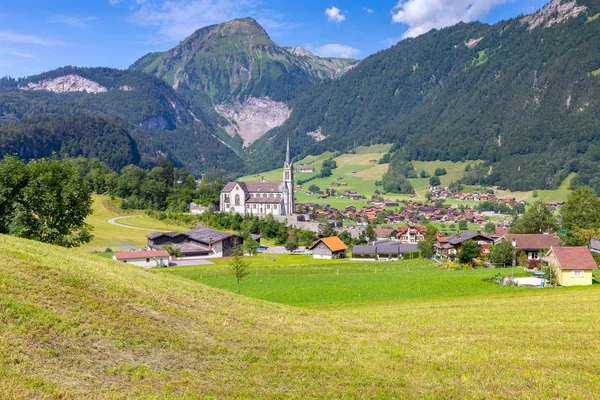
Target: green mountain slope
x=236, y=60
x=74, y=325
x=467, y=92
x=153, y=118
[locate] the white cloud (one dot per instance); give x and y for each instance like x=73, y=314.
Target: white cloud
x=368, y=10
x=75, y=21
x=177, y=19
x=113, y=2
x=335, y=14
x=12, y=37
x=423, y=15
x=336, y=50
x=4, y=63
x=15, y=52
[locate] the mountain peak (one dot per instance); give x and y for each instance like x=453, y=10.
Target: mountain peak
x=247, y=26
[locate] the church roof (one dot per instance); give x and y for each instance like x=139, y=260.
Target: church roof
x=264, y=200
x=255, y=187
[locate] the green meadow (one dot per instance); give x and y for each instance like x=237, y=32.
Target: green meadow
x=74, y=325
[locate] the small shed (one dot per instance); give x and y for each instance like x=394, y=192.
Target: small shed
x=329, y=247
x=147, y=259
x=573, y=265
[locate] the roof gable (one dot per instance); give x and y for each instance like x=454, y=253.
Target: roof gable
x=333, y=243
x=574, y=257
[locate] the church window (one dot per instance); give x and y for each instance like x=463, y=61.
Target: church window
x=226, y=198
x=287, y=175
x=237, y=199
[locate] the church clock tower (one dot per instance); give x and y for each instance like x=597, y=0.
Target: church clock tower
x=288, y=182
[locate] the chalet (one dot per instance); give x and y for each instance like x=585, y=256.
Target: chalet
x=305, y=169
x=448, y=246
x=329, y=247
x=411, y=233
x=573, y=265
x=390, y=203
x=147, y=259
x=532, y=245
x=386, y=232
x=199, y=242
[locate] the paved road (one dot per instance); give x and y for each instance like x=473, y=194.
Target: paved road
x=113, y=221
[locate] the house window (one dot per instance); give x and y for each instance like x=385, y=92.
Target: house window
x=253, y=205
x=274, y=206
x=533, y=255
x=577, y=274
x=147, y=260
x=271, y=195
x=278, y=195
x=268, y=206
x=264, y=195
x=237, y=199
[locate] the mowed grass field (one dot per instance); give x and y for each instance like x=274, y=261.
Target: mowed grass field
x=306, y=282
x=78, y=326
x=360, y=175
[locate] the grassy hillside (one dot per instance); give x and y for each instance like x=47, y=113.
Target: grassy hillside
x=363, y=181
x=74, y=325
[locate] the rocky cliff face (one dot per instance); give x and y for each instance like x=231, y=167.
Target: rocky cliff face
x=254, y=117
x=65, y=84
x=555, y=12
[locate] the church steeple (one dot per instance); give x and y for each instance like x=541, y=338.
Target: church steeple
x=287, y=153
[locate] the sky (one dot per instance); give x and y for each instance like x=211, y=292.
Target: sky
x=41, y=35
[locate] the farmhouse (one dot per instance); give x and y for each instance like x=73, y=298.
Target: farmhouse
x=532, y=245
x=573, y=265
x=448, y=246
x=411, y=233
x=199, y=242
x=329, y=247
x=148, y=259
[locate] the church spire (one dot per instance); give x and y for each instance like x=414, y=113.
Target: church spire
x=287, y=153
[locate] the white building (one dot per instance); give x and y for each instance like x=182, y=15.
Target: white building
x=261, y=198
x=147, y=259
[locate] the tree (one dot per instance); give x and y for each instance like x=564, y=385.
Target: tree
x=370, y=233
x=291, y=245
x=238, y=266
x=462, y=225
x=325, y=230
x=306, y=238
x=250, y=246
x=424, y=174
x=425, y=248
x=537, y=219
x=502, y=253
x=581, y=216
x=346, y=237
x=490, y=227
x=469, y=250
x=434, y=181
x=314, y=188
x=440, y=171
x=50, y=203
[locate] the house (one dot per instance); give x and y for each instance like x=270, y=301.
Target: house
x=385, y=232
x=196, y=209
x=411, y=233
x=329, y=247
x=573, y=265
x=390, y=203
x=532, y=245
x=147, y=259
x=448, y=246
x=305, y=169
x=199, y=242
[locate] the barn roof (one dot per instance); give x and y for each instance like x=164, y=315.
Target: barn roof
x=333, y=243
x=574, y=257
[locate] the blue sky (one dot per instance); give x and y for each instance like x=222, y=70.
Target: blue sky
x=40, y=35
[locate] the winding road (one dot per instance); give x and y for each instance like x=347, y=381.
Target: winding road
x=113, y=221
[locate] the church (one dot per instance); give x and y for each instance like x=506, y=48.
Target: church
x=262, y=198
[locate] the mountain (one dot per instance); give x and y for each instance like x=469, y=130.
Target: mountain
x=523, y=95
x=119, y=116
x=238, y=66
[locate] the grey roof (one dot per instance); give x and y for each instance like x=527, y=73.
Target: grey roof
x=154, y=235
x=255, y=187
x=207, y=235
x=363, y=250
x=454, y=239
x=264, y=200
x=397, y=248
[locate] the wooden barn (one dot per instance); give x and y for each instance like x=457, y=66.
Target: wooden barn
x=329, y=247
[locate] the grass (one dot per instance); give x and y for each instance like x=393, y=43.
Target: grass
x=112, y=236
x=305, y=283
x=592, y=18
x=74, y=325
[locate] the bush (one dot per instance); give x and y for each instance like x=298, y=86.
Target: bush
x=434, y=181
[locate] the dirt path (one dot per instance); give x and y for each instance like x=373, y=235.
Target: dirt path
x=113, y=221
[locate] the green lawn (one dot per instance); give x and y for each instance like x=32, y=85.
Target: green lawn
x=304, y=282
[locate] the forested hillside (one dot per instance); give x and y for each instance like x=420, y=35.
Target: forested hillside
x=131, y=117
x=522, y=94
